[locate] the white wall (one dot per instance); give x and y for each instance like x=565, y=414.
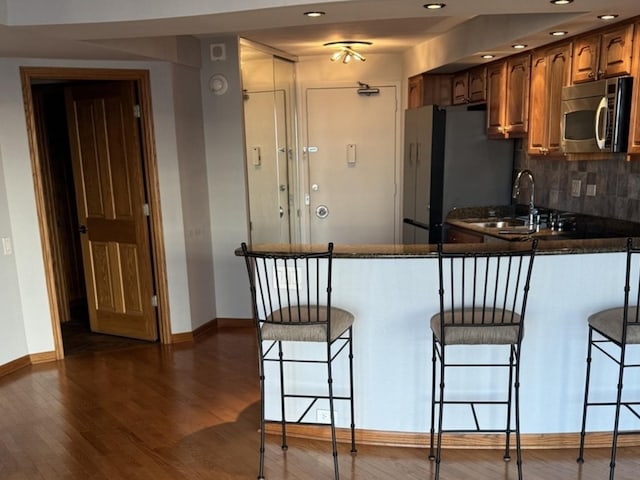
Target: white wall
x=194, y=193
x=225, y=152
x=26, y=304
x=13, y=342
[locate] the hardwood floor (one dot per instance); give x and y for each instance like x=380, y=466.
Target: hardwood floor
x=191, y=412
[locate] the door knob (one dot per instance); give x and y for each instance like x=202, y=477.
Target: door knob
x=322, y=211
x=82, y=229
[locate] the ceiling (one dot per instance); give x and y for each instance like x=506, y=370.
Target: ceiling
x=119, y=29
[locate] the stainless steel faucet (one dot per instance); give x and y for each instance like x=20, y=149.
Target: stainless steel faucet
x=532, y=186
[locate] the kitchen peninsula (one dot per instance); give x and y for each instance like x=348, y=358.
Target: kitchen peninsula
x=392, y=291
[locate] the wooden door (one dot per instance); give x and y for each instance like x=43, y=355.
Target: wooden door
x=538, y=116
x=559, y=75
x=461, y=88
x=615, y=53
x=496, y=92
x=416, y=91
x=478, y=84
x=109, y=185
x=517, y=110
x=634, y=123
x=586, y=53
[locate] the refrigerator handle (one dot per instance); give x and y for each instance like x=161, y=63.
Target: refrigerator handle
x=417, y=153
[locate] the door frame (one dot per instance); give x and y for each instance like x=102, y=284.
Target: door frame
x=147, y=140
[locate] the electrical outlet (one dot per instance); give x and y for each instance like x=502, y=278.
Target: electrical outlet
x=591, y=191
x=323, y=416
x=575, y=188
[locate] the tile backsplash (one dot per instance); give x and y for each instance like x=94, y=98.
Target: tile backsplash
x=616, y=181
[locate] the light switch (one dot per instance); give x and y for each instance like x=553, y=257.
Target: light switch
x=351, y=154
x=6, y=246
x=256, y=158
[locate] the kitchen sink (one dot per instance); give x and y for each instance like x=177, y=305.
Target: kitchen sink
x=503, y=223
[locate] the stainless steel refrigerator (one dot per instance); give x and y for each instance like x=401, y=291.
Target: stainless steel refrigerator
x=450, y=163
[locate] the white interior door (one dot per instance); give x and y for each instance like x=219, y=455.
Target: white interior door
x=351, y=153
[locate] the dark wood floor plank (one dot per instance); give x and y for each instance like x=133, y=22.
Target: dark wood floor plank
x=191, y=412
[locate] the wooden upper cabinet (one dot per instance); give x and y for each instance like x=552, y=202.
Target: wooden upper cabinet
x=508, y=97
x=496, y=93
x=470, y=86
x=615, y=51
x=550, y=71
x=478, y=84
x=438, y=89
x=416, y=89
x=603, y=55
x=460, y=88
x=517, y=99
x=634, y=124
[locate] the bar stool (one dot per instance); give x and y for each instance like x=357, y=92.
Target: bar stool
x=612, y=332
x=483, y=297
x=291, y=296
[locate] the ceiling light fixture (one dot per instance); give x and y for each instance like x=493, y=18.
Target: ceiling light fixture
x=558, y=33
x=487, y=56
x=561, y=2
x=346, y=53
x=434, y=6
x=314, y=14
x=609, y=16
x=519, y=46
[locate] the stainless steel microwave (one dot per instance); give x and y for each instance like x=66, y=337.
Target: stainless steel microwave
x=595, y=116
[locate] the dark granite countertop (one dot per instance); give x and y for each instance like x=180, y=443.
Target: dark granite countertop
x=575, y=226
x=589, y=235
x=381, y=251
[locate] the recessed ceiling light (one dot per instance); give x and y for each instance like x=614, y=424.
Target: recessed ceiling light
x=434, y=6
x=561, y=2
x=487, y=56
x=609, y=16
x=314, y=14
x=519, y=46
x=558, y=33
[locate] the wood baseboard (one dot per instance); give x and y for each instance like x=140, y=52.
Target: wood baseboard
x=43, y=357
x=14, y=365
x=234, y=322
x=453, y=441
x=210, y=327
x=185, y=337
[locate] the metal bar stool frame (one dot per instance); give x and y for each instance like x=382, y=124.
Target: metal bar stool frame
x=618, y=339
x=288, y=300
x=494, y=298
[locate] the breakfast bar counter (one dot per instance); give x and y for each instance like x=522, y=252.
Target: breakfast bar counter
x=393, y=291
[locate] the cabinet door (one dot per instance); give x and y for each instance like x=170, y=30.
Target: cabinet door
x=477, y=84
x=538, y=116
x=461, y=88
x=496, y=90
x=517, y=99
x=615, y=52
x=586, y=53
x=634, y=124
x=416, y=87
x=559, y=75
x=437, y=90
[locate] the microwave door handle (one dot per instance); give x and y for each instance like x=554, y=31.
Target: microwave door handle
x=602, y=109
